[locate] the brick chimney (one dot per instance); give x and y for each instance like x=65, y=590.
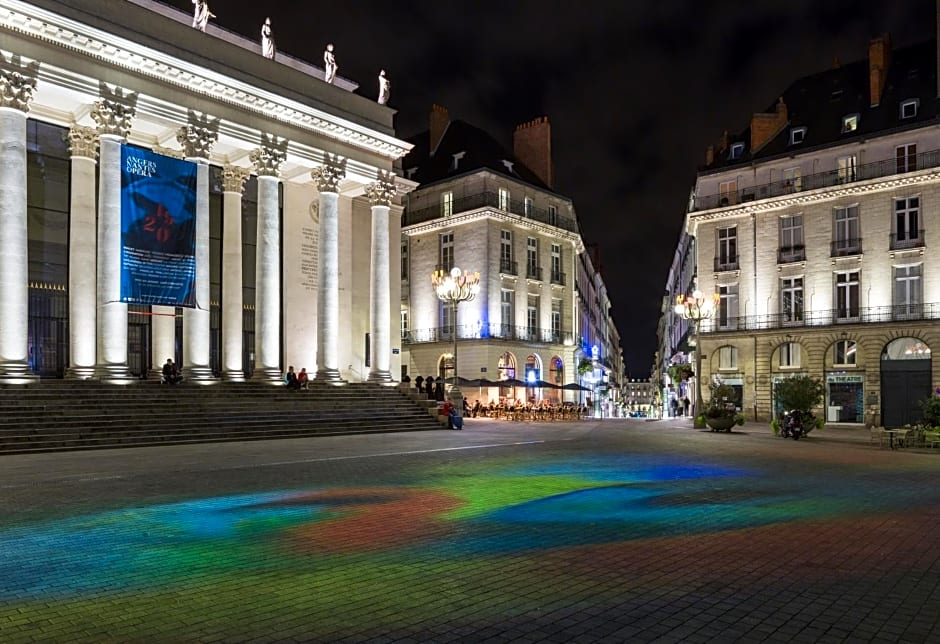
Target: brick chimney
x=879, y=58
x=723, y=142
x=439, y=120
x=765, y=126
x=532, y=145
x=709, y=155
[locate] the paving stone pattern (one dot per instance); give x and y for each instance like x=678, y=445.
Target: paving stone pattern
x=609, y=531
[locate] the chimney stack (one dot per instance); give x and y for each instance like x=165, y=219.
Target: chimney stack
x=439, y=120
x=710, y=154
x=765, y=126
x=879, y=58
x=532, y=145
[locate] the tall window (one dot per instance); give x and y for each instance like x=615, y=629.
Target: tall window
x=728, y=306
x=506, y=309
x=446, y=317
x=505, y=251
x=845, y=231
x=556, y=321
x=447, y=251
x=791, y=299
x=556, y=263
x=527, y=205
x=727, y=192
x=790, y=355
x=404, y=323
x=553, y=215
x=847, y=295
x=844, y=352
x=447, y=204
x=727, y=358
x=792, y=180
x=908, y=291
x=727, y=247
x=503, y=199
x=906, y=222
x=404, y=258
x=532, y=316
x=791, y=238
x=532, y=257
x=906, y=156
x=848, y=168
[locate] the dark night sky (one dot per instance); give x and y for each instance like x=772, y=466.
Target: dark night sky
x=634, y=90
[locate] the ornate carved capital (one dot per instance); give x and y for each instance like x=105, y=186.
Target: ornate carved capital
x=268, y=158
x=328, y=175
x=198, y=136
x=83, y=141
x=383, y=190
x=114, y=112
x=17, y=82
x=234, y=177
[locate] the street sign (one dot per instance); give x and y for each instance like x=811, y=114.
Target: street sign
x=482, y=369
x=394, y=352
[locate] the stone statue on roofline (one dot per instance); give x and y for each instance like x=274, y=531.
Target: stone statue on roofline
x=267, y=40
x=201, y=15
x=385, y=88
x=329, y=64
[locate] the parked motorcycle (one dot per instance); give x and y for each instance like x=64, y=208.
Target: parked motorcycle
x=792, y=425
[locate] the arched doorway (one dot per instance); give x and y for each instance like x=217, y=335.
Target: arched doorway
x=533, y=374
x=506, y=370
x=556, y=376
x=445, y=367
x=905, y=381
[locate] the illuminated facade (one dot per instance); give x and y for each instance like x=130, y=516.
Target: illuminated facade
x=297, y=209
x=814, y=226
x=483, y=209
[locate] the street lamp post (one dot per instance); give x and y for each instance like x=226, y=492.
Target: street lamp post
x=452, y=288
x=695, y=308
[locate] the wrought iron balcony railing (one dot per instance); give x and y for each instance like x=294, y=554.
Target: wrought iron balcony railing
x=508, y=268
x=726, y=264
x=558, y=278
x=827, y=317
x=910, y=239
x=533, y=272
x=845, y=247
x=835, y=177
x=491, y=331
x=791, y=254
x=491, y=200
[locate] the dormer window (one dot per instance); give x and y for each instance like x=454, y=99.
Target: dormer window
x=410, y=172
x=508, y=165
x=797, y=135
x=457, y=158
x=849, y=123
x=909, y=108
x=737, y=149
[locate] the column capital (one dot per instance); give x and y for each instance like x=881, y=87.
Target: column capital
x=328, y=175
x=234, y=177
x=17, y=82
x=268, y=158
x=383, y=190
x=114, y=111
x=198, y=136
x=83, y=141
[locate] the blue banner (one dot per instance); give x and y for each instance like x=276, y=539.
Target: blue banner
x=158, y=229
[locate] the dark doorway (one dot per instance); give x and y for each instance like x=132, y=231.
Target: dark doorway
x=905, y=381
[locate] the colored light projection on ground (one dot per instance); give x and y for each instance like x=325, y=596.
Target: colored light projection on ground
x=394, y=541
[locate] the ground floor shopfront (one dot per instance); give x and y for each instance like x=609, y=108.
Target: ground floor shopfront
x=872, y=375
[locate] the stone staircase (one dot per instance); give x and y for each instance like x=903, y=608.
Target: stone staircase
x=65, y=415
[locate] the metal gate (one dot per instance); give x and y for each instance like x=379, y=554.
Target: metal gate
x=48, y=330
x=904, y=383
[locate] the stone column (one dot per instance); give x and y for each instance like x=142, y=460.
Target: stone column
x=328, y=177
x=233, y=183
x=163, y=318
x=197, y=138
x=113, y=115
x=17, y=84
x=83, y=143
x=267, y=162
x=380, y=196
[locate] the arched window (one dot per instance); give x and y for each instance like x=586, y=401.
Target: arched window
x=557, y=372
x=506, y=367
x=844, y=352
x=533, y=370
x=906, y=349
x=445, y=366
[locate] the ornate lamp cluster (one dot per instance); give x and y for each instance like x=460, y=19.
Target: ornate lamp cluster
x=455, y=286
x=697, y=307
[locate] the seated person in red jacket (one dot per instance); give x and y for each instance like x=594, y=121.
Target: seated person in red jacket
x=302, y=378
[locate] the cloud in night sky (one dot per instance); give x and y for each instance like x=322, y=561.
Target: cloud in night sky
x=635, y=91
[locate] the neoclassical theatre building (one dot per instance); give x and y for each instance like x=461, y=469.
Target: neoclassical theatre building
x=296, y=201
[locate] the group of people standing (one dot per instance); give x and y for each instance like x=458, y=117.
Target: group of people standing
x=434, y=388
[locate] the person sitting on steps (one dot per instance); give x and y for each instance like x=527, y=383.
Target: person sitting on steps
x=171, y=374
x=302, y=378
x=290, y=379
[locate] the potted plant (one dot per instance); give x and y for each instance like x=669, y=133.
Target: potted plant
x=585, y=366
x=679, y=372
x=803, y=394
x=721, y=413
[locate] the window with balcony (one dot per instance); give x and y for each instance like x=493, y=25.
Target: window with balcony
x=527, y=206
x=557, y=276
x=445, y=315
x=728, y=193
x=532, y=316
x=906, y=157
x=556, y=321
x=553, y=215
x=727, y=359
x=404, y=258
x=506, y=312
x=908, y=108
x=505, y=252
x=791, y=240
x=447, y=251
x=844, y=353
x=727, y=249
x=792, y=180
x=727, y=317
x=849, y=123
x=847, y=168
x=846, y=238
x=790, y=355
x=447, y=204
x=504, y=199
x=907, y=232
x=532, y=270
x=908, y=292
x=791, y=299
x=847, y=295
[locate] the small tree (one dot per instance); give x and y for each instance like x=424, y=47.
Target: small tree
x=802, y=393
x=931, y=408
x=720, y=401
